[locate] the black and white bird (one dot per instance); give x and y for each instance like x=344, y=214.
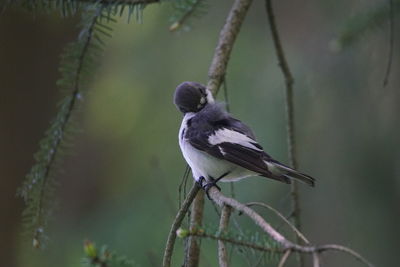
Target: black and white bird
x=219, y=147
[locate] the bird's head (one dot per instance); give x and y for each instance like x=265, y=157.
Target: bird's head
x=192, y=97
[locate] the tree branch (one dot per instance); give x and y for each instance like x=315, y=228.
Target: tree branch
x=227, y=37
x=223, y=225
x=222, y=200
x=169, y=247
x=193, y=252
x=315, y=259
x=290, y=127
x=236, y=242
x=284, y=258
x=216, y=74
x=121, y=2
x=299, y=234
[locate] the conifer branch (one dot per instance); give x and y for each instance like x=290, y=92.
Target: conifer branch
x=222, y=200
x=37, y=190
x=188, y=8
x=220, y=238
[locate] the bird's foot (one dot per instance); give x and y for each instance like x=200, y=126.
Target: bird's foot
x=206, y=185
x=201, y=181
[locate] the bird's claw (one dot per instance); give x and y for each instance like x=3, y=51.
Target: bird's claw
x=207, y=185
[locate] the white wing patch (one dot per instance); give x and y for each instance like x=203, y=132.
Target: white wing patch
x=226, y=135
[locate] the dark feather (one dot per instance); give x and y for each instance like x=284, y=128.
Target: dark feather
x=211, y=119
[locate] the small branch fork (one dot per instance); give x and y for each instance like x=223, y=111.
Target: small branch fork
x=222, y=200
x=287, y=246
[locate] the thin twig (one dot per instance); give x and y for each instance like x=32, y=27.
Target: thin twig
x=236, y=242
x=290, y=127
x=315, y=259
x=182, y=185
x=344, y=249
x=182, y=20
x=223, y=225
x=222, y=200
x=121, y=2
x=284, y=258
x=169, y=247
x=280, y=215
x=391, y=43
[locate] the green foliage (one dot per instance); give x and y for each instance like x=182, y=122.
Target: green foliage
x=65, y=7
x=363, y=23
x=257, y=248
x=77, y=65
x=102, y=257
x=185, y=10
x=68, y=8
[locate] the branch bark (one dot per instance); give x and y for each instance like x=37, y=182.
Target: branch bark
x=290, y=126
x=121, y=2
x=227, y=37
x=223, y=225
x=284, y=258
x=283, y=218
x=169, y=247
x=222, y=200
x=193, y=252
x=216, y=75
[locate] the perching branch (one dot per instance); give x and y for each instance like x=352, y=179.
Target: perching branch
x=290, y=126
x=222, y=200
x=216, y=74
x=223, y=225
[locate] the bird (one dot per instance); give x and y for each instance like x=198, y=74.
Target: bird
x=219, y=147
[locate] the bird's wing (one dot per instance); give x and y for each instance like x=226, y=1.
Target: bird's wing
x=233, y=141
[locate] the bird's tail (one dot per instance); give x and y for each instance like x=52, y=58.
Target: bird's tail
x=279, y=169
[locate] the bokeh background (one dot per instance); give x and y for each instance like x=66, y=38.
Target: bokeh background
x=119, y=186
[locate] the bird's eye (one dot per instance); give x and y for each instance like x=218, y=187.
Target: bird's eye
x=202, y=91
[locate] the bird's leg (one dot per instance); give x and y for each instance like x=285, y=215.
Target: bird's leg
x=200, y=181
x=213, y=182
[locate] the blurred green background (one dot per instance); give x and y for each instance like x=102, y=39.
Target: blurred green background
x=119, y=186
